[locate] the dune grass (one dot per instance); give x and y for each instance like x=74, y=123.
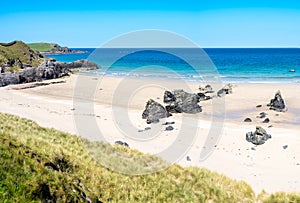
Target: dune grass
x=41, y=46
x=41, y=164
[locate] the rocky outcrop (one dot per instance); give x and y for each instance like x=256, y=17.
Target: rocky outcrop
x=259, y=137
x=277, y=104
x=180, y=101
x=227, y=89
x=154, y=111
x=57, y=49
x=47, y=70
x=206, y=89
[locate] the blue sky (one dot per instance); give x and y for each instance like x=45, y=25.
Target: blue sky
x=210, y=23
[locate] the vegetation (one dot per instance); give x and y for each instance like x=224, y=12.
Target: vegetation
x=41, y=46
x=16, y=54
x=45, y=165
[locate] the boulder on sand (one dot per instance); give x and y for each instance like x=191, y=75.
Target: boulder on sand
x=259, y=137
x=227, y=89
x=277, y=104
x=154, y=111
x=206, y=89
x=180, y=101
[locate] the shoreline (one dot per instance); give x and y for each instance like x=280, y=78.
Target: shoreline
x=268, y=167
x=221, y=79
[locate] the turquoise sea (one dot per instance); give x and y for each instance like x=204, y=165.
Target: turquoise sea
x=252, y=65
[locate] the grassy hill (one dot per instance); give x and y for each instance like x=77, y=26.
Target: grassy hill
x=45, y=165
x=20, y=52
x=41, y=46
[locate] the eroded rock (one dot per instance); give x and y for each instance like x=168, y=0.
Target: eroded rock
x=259, y=137
x=277, y=104
x=154, y=111
x=180, y=101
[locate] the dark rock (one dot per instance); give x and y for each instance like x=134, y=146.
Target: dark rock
x=154, y=111
x=285, y=146
x=140, y=130
x=227, y=89
x=203, y=97
x=277, y=104
x=252, y=148
x=188, y=158
x=247, y=120
x=47, y=70
x=169, y=97
x=169, y=128
x=147, y=128
x=258, y=137
x=259, y=106
x=184, y=102
x=262, y=115
x=9, y=78
x=270, y=126
x=121, y=143
x=206, y=89
x=267, y=120
x=169, y=123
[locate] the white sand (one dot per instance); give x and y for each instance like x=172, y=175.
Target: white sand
x=268, y=167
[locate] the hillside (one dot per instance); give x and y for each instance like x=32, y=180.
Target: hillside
x=17, y=55
x=41, y=46
x=52, y=48
x=42, y=164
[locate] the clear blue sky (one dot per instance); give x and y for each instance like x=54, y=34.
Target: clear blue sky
x=209, y=23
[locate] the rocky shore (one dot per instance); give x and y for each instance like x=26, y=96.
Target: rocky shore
x=57, y=49
x=48, y=70
x=20, y=64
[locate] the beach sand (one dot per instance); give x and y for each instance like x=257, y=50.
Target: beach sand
x=268, y=166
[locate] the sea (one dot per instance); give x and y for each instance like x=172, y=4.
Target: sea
x=230, y=65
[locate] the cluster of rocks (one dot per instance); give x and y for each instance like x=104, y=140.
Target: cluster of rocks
x=179, y=101
x=57, y=49
x=50, y=69
x=260, y=136
x=276, y=104
x=207, y=92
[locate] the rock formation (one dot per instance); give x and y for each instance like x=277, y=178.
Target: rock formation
x=47, y=70
x=154, y=111
x=259, y=137
x=227, y=89
x=180, y=101
x=277, y=104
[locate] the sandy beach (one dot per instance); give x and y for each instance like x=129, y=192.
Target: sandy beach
x=268, y=166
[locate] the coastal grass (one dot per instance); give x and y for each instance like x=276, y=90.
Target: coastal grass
x=18, y=50
x=45, y=165
x=41, y=46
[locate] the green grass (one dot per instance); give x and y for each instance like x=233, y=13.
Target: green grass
x=41, y=46
x=19, y=50
x=41, y=164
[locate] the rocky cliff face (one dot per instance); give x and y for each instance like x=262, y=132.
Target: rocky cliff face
x=20, y=64
x=48, y=70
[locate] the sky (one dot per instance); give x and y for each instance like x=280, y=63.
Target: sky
x=209, y=23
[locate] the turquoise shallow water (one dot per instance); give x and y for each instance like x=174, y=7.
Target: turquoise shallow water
x=264, y=65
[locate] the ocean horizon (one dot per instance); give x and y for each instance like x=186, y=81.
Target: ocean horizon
x=231, y=65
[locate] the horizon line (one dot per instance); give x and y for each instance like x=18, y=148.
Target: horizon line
x=208, y=47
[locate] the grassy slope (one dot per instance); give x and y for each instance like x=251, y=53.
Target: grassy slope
x=21, y=51
x=26, y=150
x=41, y=46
